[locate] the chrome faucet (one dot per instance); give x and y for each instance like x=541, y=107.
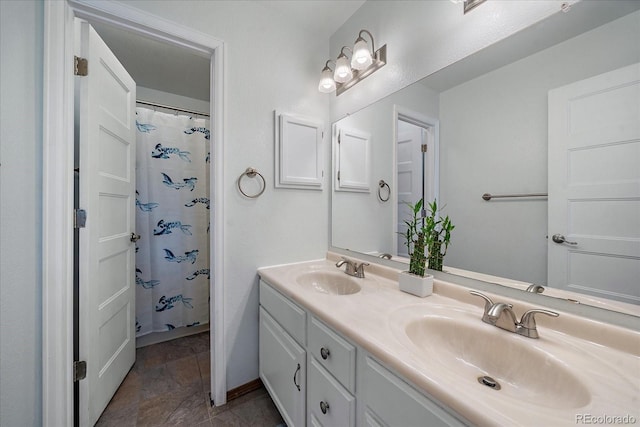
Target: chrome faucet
x=502, y=315
x=352, y=268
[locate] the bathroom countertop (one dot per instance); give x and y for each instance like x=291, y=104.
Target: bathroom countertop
x=604, y=359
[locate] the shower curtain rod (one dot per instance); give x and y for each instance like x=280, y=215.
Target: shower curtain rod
x=168, y=107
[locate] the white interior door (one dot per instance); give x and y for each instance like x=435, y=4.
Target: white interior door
x=409, y=175
x=105, y=118
x=594, y=185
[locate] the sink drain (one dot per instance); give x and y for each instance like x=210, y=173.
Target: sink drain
x=489, y=382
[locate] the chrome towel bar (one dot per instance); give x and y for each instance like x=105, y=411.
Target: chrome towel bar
x=487, y=196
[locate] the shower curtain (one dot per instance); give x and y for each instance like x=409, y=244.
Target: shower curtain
x=172, y=218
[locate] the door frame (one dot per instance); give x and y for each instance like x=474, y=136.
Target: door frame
x=423, y=121
x=57, y=188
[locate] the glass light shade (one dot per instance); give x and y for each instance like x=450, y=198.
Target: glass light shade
x=361, y=59
x=343, y=71
x=327, y=84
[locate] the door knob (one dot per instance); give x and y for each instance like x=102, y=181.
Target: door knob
x=134, y=237
x=559, y=238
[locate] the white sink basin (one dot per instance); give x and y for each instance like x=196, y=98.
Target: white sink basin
x=468, y=349
x=328, y=282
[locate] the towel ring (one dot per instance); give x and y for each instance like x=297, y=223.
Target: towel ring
x=251, y=173
x=381, y=185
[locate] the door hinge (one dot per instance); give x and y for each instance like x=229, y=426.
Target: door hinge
x=339, y=135
x=338, y=175
x=80, y=66
x=79, y=218
x=423, y=148
x=79, y=370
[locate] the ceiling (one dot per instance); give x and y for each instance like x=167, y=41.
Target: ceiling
x=164, y=67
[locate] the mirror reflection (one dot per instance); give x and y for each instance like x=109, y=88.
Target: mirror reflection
x=493, y=123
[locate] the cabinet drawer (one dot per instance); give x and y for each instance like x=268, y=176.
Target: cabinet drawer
x=333, y=352
x=323, y=391
x=291, y=317
x=389, y=401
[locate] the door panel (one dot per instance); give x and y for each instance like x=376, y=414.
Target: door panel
x=594, y=185
x=409, y=176
x=105, y=116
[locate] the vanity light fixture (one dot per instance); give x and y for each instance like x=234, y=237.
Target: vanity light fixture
x=362, y=58
x=364, y=62
x=327, y=84
x=343, y=71
x=468, y=4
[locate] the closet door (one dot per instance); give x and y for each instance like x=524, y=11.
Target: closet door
x=105, y=119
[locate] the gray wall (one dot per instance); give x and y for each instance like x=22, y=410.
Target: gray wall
x=21, y=41
x=494, y=140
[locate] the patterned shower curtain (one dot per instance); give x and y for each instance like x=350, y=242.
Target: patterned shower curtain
x=172, y=218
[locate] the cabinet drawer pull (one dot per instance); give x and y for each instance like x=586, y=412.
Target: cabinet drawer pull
x=324, y=407
x=295, y=374
x=325, y=353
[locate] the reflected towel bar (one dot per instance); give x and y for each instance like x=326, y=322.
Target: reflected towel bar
x=487, y=196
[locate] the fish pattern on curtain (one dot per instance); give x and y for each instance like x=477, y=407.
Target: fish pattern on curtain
x=172, y=218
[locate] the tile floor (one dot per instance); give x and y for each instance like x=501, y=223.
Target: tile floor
x=169, y=386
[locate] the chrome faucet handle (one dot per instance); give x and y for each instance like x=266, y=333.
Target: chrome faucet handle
x=527, y=325
x=488, y=303
x=342, y=262
x=536, y=289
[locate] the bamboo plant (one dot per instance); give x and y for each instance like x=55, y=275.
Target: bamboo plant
x=432, y=232
x=438, y=236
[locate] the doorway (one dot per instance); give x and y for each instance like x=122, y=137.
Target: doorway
x=416, y=154
x=58, y=189
x=140, y=208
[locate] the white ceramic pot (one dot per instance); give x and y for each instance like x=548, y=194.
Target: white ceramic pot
x=416, y=285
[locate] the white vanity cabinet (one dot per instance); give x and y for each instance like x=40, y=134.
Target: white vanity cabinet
x=341, y=383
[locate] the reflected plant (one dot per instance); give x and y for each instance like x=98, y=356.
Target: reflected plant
x=415, y=241
x=431, y=232
x=438, y=236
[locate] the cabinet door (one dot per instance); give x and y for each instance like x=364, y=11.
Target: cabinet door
x=283, y=370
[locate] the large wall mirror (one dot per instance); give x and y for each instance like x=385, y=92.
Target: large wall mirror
x=485, y=122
